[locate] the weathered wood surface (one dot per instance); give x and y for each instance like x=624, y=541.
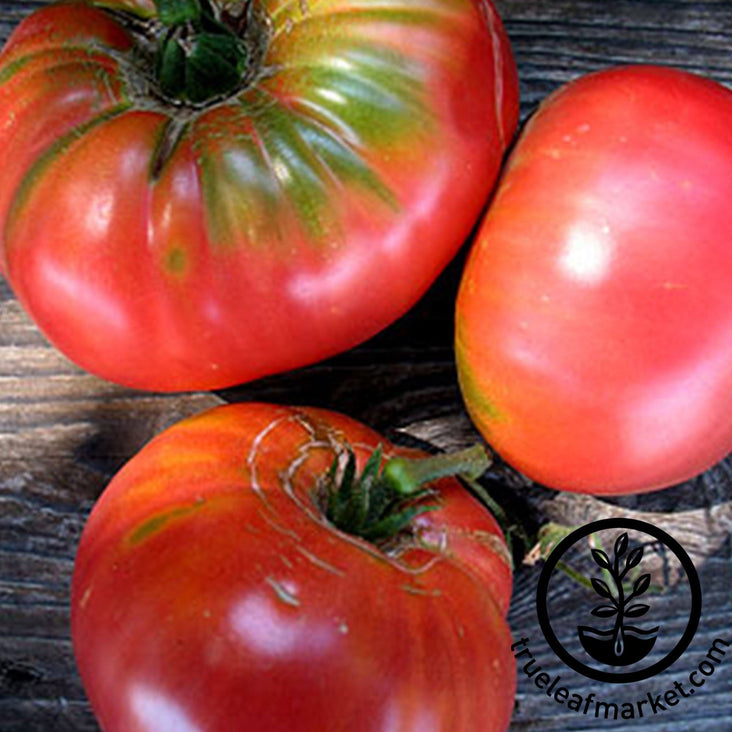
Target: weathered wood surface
x=64, y=433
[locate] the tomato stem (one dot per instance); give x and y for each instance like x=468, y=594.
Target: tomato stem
x=177, y=12
x=200, y=57
x=382, y=501
x=407, y=475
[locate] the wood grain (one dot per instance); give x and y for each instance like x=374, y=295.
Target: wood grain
x=64, y=433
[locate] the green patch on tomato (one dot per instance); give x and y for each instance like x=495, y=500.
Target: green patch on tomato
x=153, y=525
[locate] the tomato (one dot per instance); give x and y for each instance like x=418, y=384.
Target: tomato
x=210, y=593
x=174, y=236
x=594, y=318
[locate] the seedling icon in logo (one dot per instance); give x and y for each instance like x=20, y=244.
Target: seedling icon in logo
x=622, y=644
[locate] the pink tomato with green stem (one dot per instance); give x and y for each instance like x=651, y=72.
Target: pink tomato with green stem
x=276, y=568
x=196, y=194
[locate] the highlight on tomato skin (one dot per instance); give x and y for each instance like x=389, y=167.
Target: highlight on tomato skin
x=209, y=586
x=594, y=317
x=200, y=196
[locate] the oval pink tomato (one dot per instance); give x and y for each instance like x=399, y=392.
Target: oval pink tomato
x=594, y=320
x=211, y=594
x=173, y=245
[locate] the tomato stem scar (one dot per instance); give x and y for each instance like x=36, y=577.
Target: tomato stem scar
x=381, y=502
x=205, y=52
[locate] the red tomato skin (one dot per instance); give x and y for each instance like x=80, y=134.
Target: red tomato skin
x=594, y=319
x=287, y=224
x=208, y=588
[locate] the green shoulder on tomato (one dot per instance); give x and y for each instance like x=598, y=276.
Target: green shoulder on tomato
x=201, y=196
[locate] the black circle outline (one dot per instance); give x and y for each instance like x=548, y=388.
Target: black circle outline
x=614, y=523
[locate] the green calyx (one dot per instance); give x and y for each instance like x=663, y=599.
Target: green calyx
x=382, y=501
x=199, y=56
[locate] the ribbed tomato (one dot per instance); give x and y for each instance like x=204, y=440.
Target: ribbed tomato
x=194, y=195
x=594, y=319
x=211, y=593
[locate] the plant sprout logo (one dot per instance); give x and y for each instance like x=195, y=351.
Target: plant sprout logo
x=628, y=576
x=623, y=644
